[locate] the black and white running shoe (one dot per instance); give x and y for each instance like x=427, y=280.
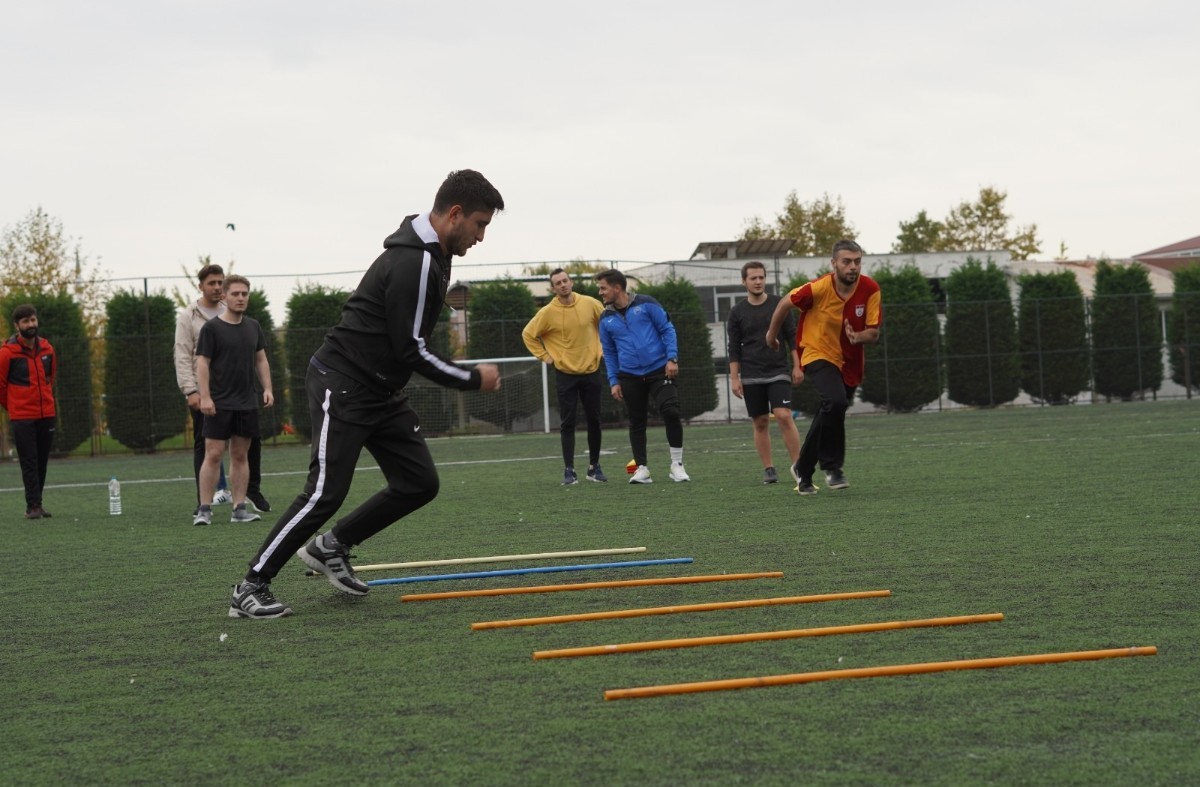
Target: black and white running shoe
x=254, y=600
x=329, y=556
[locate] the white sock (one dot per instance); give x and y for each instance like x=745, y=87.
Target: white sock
x=677, y=455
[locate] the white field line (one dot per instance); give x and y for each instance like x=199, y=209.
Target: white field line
x=358, y=469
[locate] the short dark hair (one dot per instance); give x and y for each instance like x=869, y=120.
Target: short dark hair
x=752, y=264
x=469, y=190
x=23, y=311
x=233, y=279
x=613, y=276
x=555, y=272
x=209, y=270
x=845, y=244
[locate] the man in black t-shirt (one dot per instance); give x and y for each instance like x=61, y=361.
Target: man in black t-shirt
x=231, y=348
x=760, y=375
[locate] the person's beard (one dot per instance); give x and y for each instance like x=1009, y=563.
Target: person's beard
x=29, y=333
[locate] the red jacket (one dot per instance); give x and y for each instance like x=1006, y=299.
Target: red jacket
x=27, y=379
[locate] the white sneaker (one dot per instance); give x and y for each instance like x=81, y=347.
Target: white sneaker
x=641, y=476
x=222, y=497
x=678, y=474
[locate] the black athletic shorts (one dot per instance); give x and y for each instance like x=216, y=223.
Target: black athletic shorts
x=763, y=398
x=227, y=423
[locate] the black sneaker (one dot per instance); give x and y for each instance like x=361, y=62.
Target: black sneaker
x=770, y=476
x=327, y=555
x=254, y=600
x=594, y=473
x=258, y=501
x=569, y=477
x=805, y=488
x=836, y=479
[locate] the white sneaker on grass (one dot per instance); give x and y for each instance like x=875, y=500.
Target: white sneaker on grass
x=641, y=476
x=222, y=497
x=678, y=474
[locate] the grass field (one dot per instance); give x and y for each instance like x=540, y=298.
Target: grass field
x=1080, y=524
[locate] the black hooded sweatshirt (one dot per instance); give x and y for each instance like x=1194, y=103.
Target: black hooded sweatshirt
x=383, y=335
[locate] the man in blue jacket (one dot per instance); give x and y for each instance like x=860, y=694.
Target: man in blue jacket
x=355, y=383
x=642, y=358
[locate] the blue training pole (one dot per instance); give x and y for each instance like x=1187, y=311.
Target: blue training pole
x=541, y=570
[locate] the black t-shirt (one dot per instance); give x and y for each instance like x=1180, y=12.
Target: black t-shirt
x=748, y=341
x=230, y=350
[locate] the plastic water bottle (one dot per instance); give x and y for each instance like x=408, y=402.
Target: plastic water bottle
x=114, y=497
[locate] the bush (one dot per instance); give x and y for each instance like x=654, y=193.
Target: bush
x=142, y=402
x=1183, y=327
x=1126, y=342
x=904, y=368
x=697, y=372
x=60, y=320
x=982, y=367
x=496, y=316
x=270, y=419
x=311, y=311
x=1053, y=337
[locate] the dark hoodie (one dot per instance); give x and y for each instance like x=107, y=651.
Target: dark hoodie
x=383, y=335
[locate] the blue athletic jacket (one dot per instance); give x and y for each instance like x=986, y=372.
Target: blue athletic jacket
x=639, y=341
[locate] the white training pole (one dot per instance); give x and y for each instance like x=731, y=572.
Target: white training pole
x=492, y=559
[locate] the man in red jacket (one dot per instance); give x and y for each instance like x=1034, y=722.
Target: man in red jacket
x=27, y=369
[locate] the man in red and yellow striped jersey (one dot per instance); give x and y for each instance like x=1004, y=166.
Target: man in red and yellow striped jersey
x=839, y=313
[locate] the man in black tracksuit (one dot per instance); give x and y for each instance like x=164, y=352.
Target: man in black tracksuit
x=355, y=392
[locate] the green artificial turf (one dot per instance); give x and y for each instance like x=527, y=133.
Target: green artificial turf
x=1080, y=524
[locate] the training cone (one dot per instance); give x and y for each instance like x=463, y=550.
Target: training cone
x=631, y=467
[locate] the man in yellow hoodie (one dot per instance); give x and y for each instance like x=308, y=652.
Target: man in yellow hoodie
x=563, y=334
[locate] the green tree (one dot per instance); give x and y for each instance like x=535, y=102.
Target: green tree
x=36, y=255
x=1184, y=327
x=918, y=236
x=60, y=320
x=142, y=402
x=270, y=419
x=497, y=314
x=312, y=309
x=815, y=226
x=697, y=372
x=904, y=368
x=983, y=224
x=982, y=367
x=1053, y=337
x=1126, y=342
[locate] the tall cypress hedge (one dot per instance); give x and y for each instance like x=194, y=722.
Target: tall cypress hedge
x=697, y=371
x=1126, y=339
x=312, y=310
x=904, y=368
x=142, y=402
x=1052, y=324
x=497, y=314
x=270, y=419
x=60, y=320
x=982, y=367
x=1183, y=327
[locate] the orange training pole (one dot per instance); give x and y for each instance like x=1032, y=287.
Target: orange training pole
x=876, y=672
x=621, y=583
x=729, y=639
x=636, y=613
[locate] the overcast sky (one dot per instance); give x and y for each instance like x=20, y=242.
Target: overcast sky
x=615, y=130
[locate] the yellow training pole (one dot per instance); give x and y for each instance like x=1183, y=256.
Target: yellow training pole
x=875, y=672
x=729, y=639
x=619, y=583
x=636, y=613
x=490, y=559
